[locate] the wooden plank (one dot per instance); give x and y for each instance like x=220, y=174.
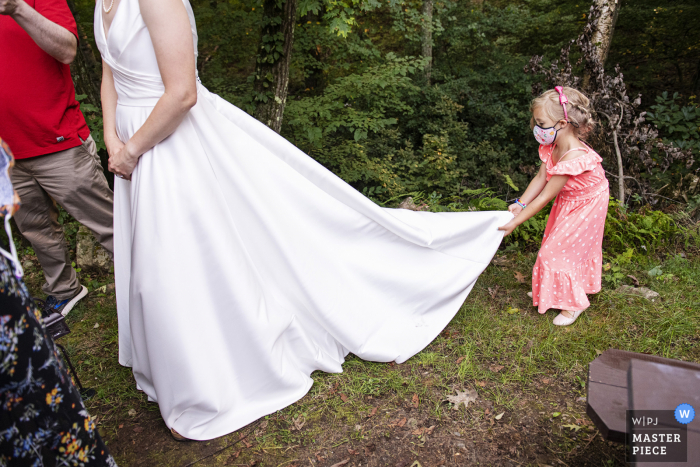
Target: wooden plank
x=607, y=400
x=656, y=386
x=607, y=406
x=611, y=366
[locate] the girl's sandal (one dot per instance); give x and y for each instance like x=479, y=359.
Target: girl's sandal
x=563, y=320
x=177, y=436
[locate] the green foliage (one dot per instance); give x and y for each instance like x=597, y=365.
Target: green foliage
x=657, y=273
x=679, y=124
x=381, y=132
x=334, y=127
x=229, y=33
x=531, y=231
x=70, y=227
x=613, y=272
x=483, y=199
x=645, y=231
x=657, y=44
x=352, y=107
x=356, y=105
x=341, y=14
x=509, y=182
x=93, y=117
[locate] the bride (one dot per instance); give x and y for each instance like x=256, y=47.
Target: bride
x=242, y=265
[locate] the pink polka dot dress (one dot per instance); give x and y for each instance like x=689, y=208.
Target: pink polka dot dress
x=569, y=264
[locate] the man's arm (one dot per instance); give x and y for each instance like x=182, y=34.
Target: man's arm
x=53, y=39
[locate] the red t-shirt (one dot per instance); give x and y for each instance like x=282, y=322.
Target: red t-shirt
x=38, y=111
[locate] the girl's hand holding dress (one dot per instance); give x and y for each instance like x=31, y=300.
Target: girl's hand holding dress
x=515, y=209
x=547, y=191
x=509, y=227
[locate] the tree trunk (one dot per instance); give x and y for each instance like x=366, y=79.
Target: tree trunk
x=603, y=34
x=427, y=37
x=85, y=76
x=85, y=69
x=275, y=53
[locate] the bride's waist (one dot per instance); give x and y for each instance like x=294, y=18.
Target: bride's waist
x=137, y=101
x=144, y=97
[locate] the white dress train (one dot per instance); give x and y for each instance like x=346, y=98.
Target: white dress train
x=242, y=265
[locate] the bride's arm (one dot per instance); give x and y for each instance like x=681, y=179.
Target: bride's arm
x=109, y=111
x=169, y=28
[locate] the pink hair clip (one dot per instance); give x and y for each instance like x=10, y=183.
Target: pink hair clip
x=563, y=100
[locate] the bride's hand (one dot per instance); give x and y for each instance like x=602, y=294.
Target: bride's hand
x=508, y=228
x=113, y=144
x=121, y=162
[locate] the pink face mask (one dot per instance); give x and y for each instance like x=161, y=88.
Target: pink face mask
x=547, y=136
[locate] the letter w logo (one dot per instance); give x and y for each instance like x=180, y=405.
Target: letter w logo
x=684, y=413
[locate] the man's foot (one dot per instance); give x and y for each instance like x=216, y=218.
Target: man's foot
x=566, y=317
x=177, y=436
x=52, y=305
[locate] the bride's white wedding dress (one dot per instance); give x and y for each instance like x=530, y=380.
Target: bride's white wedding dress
x=242, y=265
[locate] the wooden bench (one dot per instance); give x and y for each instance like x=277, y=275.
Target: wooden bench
x=619, y=380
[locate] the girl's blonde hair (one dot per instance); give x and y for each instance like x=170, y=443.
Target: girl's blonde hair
x=578, y=108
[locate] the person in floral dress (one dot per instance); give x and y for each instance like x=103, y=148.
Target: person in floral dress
x=569, y=263
x=43, y=421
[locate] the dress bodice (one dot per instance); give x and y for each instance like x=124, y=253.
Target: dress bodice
x=584, y=171
x=128, y=51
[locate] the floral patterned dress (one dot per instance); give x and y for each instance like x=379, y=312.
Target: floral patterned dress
x=569, y=263
x=43, y=421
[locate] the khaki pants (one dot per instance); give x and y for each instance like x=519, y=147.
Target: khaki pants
x=74, y=179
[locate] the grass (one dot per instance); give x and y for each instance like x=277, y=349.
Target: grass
x=518, y=362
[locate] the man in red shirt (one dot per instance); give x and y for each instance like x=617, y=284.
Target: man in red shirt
x=56, y=158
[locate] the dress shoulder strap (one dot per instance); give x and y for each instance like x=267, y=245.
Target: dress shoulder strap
x=572, y=150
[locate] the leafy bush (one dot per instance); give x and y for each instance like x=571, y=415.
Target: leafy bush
x=646, y=230
x=680, y=126
x=613, y=271
x=367, y=114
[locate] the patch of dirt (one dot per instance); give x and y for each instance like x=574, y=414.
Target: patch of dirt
x=397, y=435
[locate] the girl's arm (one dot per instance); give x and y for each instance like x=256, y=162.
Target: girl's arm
x=536, y=185
x=551, y=189
x=169, y=28
x=109, y=111
x=533, y=189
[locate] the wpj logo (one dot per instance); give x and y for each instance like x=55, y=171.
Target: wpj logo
x=684, y=413
x=658, y=435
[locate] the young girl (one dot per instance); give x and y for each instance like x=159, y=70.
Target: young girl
x=569, y=263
